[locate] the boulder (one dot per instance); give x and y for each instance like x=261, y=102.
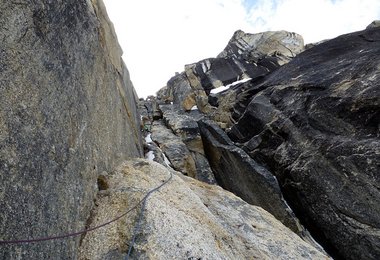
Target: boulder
x=165, y=95
x=315, y=124
x=67, y=113
x=185, y=219
x=150, y=111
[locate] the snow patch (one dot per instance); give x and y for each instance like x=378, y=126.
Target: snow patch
x=148, y=139
x=150, y=156
x=223, y=88
x=194, y=108
x=220, y=89
x=204, y=68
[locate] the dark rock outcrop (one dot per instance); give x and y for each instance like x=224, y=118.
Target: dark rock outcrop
x=67, y=113
x=245, y=56
x=314, y=123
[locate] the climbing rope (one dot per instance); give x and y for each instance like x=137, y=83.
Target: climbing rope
x=138, y=223
x=143, y=201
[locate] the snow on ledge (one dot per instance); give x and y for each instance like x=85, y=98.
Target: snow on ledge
x=148, y=139
x=223, y=88
x=150, y=156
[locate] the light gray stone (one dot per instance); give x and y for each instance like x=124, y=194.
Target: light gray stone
x=186, y=219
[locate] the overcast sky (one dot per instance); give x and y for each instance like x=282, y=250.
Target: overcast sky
x=159, y=37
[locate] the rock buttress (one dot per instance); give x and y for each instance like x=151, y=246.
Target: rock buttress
x=67, y=113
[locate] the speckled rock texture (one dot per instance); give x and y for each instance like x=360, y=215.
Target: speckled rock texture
x=186, y=219
x=67, y=113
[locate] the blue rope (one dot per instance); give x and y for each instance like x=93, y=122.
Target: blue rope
x=138, y=224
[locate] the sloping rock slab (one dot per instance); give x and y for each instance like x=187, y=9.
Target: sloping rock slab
x=316, y=125
x=186, y=219
x=240, y=174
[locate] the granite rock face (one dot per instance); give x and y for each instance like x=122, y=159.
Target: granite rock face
x=178, y=137
x=315, y=124
x=186, y=219
x=67, y=113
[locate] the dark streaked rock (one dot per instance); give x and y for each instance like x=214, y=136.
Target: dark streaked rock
x=315, y=124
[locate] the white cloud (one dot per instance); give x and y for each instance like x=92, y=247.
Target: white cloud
x=160, y=37
x=315, y=20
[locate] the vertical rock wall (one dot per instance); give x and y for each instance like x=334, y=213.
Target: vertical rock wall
x=67, y=113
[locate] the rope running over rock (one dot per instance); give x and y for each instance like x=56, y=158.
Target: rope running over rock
x=143, y=200
x=138, y=223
